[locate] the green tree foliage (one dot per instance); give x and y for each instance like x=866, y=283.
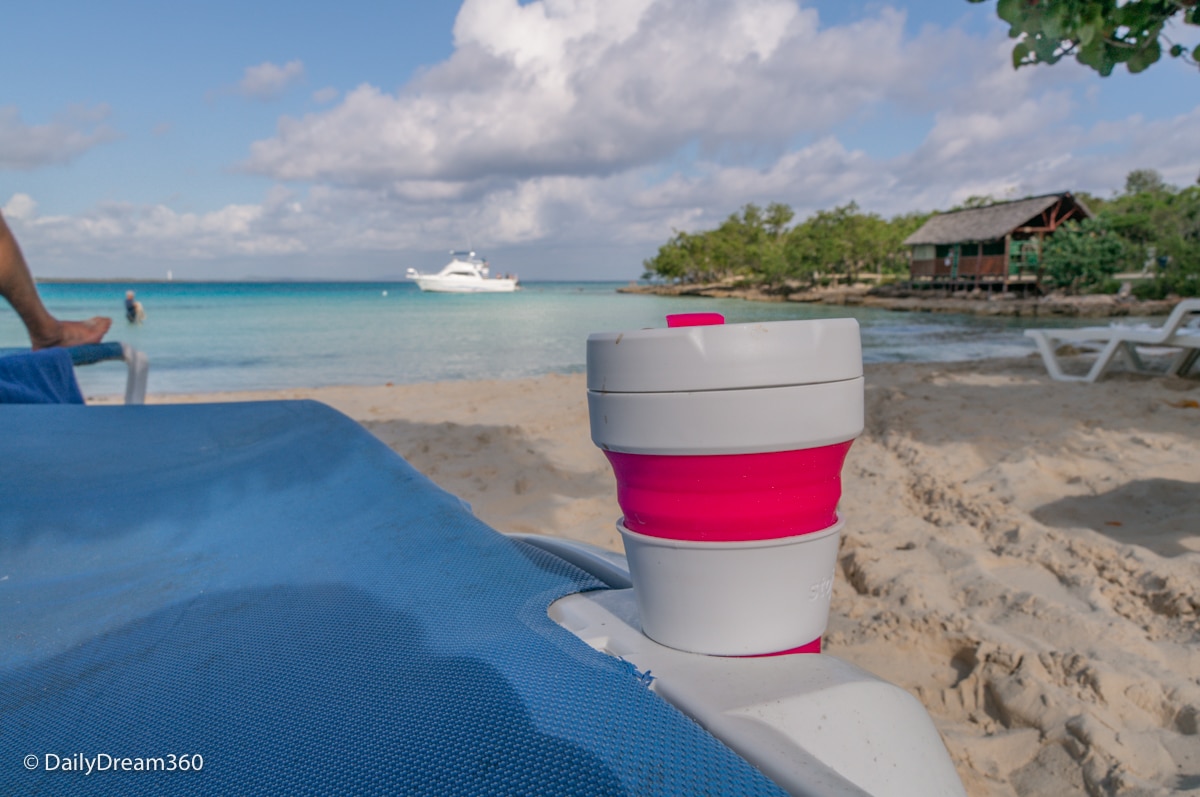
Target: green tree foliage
x=1142, y=181
x=1082, y=256
x=1091, y=201
x=1162, y=224
x=977, y=202
x=1151, y=227
x=1100, y=33
x=758, y=247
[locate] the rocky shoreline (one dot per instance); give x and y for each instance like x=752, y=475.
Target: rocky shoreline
x=902, y=300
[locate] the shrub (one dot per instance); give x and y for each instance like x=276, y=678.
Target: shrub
x=1082, y=257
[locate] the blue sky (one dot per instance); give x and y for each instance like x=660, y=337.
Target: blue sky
x=562, y=138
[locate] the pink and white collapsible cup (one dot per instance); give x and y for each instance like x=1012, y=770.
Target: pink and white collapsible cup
x=727, y=442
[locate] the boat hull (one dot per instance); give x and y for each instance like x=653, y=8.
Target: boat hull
x=441, y=285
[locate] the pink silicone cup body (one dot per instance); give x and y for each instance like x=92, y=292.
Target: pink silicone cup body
x=730, y=497
x=808, y=647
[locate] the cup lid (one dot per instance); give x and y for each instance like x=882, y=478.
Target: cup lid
x=724, y=357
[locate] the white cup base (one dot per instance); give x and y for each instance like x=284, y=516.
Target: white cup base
x=733, y=598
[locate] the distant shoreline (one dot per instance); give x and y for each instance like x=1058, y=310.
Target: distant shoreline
x=161, y=281
x=995, y=304
x=270, y=280
x=113, y=281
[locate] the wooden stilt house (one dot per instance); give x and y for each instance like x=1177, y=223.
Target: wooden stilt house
x=994, y=247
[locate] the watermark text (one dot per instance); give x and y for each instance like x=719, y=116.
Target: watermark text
x=104, y=762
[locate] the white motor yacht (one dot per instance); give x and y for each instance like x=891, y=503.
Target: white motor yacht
x=465, y=273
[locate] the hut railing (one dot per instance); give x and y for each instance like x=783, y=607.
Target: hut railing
x=983, y=266
x=969, y=267
x=930, y=268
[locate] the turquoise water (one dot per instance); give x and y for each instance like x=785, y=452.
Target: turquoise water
x=243, y=336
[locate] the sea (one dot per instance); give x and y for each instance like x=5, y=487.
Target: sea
x=213, y=336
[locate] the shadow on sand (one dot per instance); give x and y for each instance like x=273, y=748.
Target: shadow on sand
x=1159, y=514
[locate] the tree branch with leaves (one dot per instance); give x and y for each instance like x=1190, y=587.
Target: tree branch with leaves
x=1100, y=34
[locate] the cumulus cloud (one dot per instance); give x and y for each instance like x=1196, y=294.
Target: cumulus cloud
x=20, y=207
x=637, y=207
x=578, y=120
x=594, y=87
x=25, y=146
x=123, y=231
x=1170, y=146
x=267, y=81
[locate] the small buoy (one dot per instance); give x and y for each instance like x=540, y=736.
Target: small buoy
x=385, y=293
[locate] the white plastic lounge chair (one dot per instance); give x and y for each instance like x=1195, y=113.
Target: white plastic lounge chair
x=1179, y=332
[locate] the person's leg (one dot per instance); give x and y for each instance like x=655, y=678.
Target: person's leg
x=17, y=286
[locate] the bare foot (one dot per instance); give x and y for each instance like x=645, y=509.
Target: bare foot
x=76, y=333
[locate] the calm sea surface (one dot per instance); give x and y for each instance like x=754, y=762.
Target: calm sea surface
x=242, y=336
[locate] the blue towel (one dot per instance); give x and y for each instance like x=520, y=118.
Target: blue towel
x=269, y=591
x=39, y=377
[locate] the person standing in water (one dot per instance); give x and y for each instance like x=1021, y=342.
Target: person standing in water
x=134, y=312
x=18, y=288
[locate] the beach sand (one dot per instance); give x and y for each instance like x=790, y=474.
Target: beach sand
x=1022, y=555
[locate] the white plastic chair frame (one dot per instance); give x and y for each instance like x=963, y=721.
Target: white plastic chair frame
x=1124, y=341
x=138, y=371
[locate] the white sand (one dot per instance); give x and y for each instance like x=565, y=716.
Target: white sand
x=1022, y=555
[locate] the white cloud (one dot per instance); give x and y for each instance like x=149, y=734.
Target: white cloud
x=637, y=207
x=122, y=230
x=26, y=147
x=268, y=81
x=1170, y=146
x=20, y=207
x=590, y=87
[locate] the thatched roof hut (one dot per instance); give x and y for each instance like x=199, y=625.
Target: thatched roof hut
x=996, y=244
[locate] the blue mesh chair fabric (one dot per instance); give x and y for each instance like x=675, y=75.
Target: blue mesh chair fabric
x=269, y=592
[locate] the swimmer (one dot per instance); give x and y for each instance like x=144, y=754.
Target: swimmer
x=134, y=312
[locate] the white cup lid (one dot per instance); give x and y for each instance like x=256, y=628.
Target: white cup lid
x=724, y=356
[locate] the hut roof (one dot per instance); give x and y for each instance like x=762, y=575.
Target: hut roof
x=987, y=223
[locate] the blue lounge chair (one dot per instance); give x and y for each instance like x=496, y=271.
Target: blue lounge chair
x=262, y=598
x=42, y=376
